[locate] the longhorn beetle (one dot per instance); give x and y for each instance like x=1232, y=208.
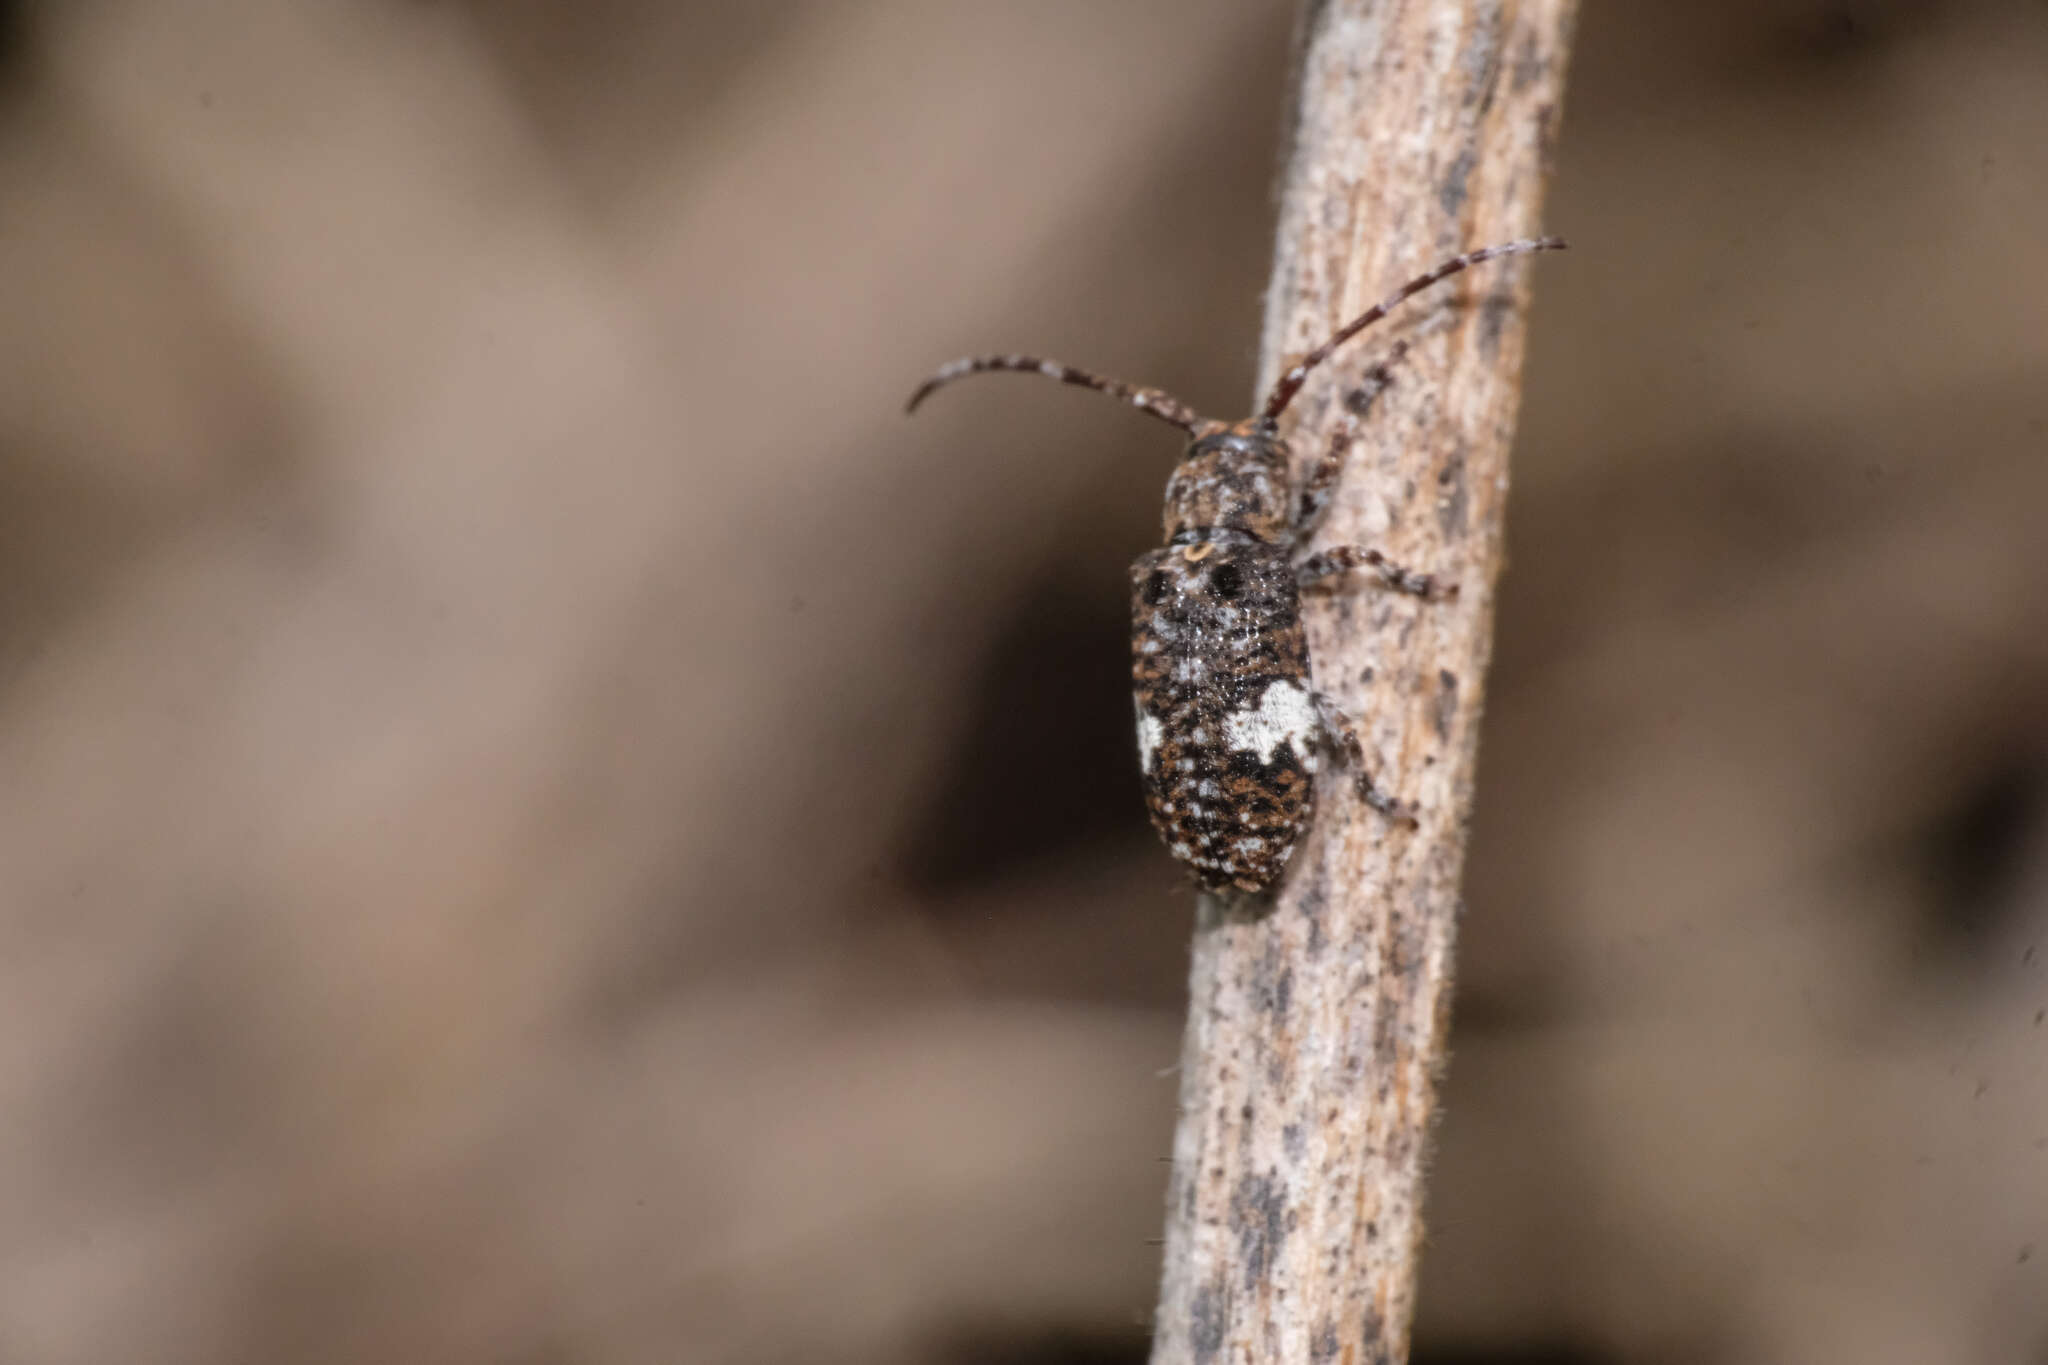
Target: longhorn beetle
x=1231, y=728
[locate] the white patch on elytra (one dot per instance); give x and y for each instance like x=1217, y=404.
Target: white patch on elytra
x=1149, y=731
x=1284, y=717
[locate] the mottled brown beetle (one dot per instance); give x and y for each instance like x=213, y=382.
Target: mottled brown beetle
x=1230, y=725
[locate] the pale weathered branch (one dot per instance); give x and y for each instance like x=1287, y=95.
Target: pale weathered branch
x=1316, y=1023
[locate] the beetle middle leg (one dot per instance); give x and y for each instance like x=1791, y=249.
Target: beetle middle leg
x=1328, y=563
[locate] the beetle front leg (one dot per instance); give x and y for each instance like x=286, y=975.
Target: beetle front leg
x=1322, y=480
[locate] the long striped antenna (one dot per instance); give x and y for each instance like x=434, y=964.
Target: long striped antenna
x=1290, y=383
x=1162, y=405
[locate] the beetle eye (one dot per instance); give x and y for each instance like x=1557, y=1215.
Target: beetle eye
x=1227, y=580
x=1154, y=590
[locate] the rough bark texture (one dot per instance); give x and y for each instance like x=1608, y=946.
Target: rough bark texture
x=1316, y=1022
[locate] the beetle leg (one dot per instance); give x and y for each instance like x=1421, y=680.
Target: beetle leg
x=1340, y=737
x=1322, y=480
x=1328, y=563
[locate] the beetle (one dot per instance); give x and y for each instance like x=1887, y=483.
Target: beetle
x=1231, y=727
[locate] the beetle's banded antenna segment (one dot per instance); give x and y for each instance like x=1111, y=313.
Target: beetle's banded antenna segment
x=1290, y=383
x=1157, y=402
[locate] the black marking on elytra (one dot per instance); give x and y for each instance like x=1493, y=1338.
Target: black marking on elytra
x=1231, y=729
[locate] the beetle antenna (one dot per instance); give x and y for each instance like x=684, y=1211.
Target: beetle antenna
x=1289, y=384
x=1162, y=405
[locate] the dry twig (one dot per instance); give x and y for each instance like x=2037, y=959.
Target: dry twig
x=1316, y=1025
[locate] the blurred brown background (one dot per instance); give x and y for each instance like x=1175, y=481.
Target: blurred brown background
x=544, y=822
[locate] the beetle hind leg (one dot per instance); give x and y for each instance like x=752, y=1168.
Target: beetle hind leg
x=1340, y=739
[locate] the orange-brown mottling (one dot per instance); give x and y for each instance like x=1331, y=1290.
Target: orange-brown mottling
x=1215, y=623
